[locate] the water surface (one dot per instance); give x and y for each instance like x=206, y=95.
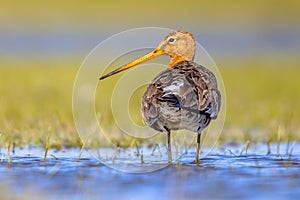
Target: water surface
x=228, y=172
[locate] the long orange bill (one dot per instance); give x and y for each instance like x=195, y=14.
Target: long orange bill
x=156, y=52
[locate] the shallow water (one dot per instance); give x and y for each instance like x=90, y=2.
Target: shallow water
x=225, y=173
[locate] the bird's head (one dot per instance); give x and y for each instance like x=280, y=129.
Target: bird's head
x=179, y=45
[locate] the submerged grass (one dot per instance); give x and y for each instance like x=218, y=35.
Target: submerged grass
x=36, y=102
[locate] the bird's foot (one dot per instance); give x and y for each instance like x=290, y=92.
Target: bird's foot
x=196, y=161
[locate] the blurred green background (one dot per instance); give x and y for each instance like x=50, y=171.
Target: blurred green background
x=255, y=44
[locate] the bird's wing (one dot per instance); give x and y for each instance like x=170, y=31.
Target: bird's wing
x=207, y=88
x=205, y=93
x=186, y=87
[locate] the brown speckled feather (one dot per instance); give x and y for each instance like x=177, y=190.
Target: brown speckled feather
x=182, y=97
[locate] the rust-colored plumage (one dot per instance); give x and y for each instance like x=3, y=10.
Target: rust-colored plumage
x=184, y=96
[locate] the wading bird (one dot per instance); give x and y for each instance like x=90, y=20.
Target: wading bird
x=184, y=96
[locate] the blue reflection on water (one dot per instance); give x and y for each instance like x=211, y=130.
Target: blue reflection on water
x=223, y=174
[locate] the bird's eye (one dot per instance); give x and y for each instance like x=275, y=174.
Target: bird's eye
x=171, y=40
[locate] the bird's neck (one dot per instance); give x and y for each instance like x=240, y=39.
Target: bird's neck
x=174, y=60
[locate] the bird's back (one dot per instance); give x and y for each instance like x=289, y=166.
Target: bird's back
x=182, y=97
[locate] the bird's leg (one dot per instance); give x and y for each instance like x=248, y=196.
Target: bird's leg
x=169, y=145
x=198, y=146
